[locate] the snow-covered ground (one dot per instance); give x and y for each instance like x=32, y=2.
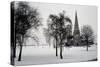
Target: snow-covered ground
x=32, y=55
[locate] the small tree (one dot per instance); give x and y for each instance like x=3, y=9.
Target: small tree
x=25, y=18
x=87, y=33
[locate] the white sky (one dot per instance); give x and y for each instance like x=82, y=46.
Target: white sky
x=87, y=15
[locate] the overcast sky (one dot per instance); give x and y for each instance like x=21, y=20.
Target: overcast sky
x=87, y=15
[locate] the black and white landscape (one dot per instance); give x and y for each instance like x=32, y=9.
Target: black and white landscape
x=45, y=33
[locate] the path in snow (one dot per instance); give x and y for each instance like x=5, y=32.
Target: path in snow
x=46, y=55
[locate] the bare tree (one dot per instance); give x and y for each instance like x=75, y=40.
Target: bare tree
x=63, y=32
x=52, y=27
x=87, y=33
x=26, y=17
x=58, y=29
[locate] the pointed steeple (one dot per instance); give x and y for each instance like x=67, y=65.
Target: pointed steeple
x=76, y=26
x=76, y=33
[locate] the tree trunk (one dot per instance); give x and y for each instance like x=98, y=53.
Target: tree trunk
x=61, y=48
x=87, y=44
x=56, y=51
x=19, y=59
x=87, y=47
x=61, y=52
x=56, y=48
x=21, y=45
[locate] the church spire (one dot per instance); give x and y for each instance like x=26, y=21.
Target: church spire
x=76, y=26
x=76, y=33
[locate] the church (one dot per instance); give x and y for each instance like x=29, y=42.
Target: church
x=76, y=32
x=74, y=40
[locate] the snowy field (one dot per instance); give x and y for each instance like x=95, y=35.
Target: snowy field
x=32, y=55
